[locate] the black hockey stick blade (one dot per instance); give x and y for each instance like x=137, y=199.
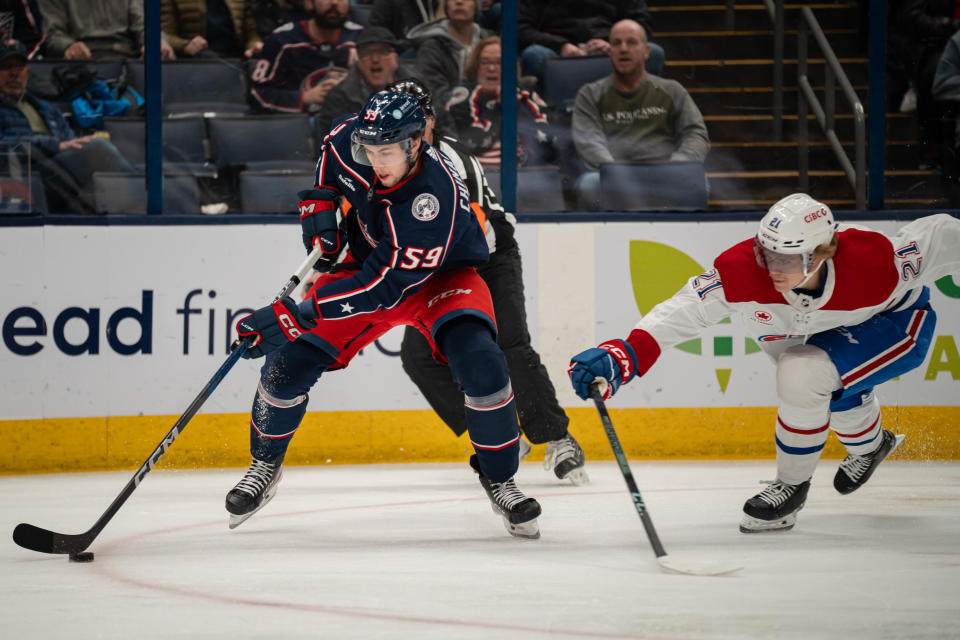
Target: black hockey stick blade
x=666, y=563
x=45, y=541
x=35, y=538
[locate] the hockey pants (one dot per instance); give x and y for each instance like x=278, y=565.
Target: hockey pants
x=541, y=417
x=828, y=383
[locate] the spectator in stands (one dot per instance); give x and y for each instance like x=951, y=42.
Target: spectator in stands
x=442, y=46
x=400, y=16
x=210, y=28
x=489, y=15
x=946, y=94
x=476, y=112
x=21, y=22
x=634, y=116
x=302, y=61
x=378, y=64
x=65, y=162
x=270, y=14
x=549, y=28
x=931, y=23
x=87, y=29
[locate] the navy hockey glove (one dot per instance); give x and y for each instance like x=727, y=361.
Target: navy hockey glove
x=318, y=221
x=273, y=326
x=613, y=361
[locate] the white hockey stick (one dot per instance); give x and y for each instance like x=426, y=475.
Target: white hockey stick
x=667, y=564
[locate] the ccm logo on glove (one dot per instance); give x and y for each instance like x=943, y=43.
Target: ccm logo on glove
x=614, y=348
x=289, y=326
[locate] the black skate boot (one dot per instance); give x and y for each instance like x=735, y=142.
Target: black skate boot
x=775, y=508
x=854, y=471
x=565, y=457
x=254, y=491
x=519, y=512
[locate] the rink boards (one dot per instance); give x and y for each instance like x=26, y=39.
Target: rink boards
x=103, y=350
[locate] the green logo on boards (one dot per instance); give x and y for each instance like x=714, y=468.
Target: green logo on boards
x=657, y=271
x=948, y=287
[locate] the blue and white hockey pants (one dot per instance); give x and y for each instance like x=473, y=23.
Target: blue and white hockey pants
x=828, y=383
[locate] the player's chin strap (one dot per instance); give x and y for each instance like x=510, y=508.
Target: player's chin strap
x=810, y=275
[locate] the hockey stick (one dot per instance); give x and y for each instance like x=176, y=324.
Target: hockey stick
x=667, y=564
x=35, y=538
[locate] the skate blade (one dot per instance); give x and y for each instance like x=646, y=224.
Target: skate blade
x=529, y=530
x=577, y=476
x=750, y=524
x=897, y=441
x=237, y=520
x=524, y=450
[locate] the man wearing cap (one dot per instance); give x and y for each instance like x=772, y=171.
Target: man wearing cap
x=66, y=162
x=378, y=65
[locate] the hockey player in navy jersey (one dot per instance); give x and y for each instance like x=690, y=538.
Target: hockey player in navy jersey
x=301, y=61
x=414, y=246
x=839, y=308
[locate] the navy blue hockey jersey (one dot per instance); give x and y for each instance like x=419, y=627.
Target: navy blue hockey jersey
x=401, y=235
x=292, y=62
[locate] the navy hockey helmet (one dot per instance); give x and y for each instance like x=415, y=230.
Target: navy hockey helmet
x=415, y=88
x=388, y=118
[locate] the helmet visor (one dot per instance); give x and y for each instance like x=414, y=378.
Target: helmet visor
x=385, y=155
x=778, y=262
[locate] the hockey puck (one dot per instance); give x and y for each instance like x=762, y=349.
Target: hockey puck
x=83, y=556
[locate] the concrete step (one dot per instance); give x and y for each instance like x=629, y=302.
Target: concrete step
x=756, y=72
x=781, y=156
x=698, y=45
x=759, y=127
x=758, y=100
x=772, y=185
x=696, y=16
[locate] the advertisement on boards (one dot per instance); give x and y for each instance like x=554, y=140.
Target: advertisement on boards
x=132, y=320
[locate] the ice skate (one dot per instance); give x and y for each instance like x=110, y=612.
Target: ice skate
x=565, y=458
x=775, y=508
x=524, y=449
x=254, y=491
x=854, y=471
x=519, y=512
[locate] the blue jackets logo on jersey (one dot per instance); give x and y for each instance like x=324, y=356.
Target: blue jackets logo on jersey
x=425, y=207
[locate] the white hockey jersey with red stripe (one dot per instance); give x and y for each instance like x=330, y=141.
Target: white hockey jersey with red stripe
x=870, y=273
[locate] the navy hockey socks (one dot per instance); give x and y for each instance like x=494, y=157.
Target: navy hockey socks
x=480, y=368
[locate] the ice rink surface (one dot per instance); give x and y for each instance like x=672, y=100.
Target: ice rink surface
x=413, y=551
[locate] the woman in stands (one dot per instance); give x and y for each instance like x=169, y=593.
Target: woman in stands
x=476, y=112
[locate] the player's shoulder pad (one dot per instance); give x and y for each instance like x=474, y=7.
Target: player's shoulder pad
x=866, y=273
x=340, y=130
x=743, y=279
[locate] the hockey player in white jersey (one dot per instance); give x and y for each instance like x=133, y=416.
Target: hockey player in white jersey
x=839, y=308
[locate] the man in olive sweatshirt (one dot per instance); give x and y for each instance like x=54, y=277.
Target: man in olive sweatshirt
x=634, y=116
